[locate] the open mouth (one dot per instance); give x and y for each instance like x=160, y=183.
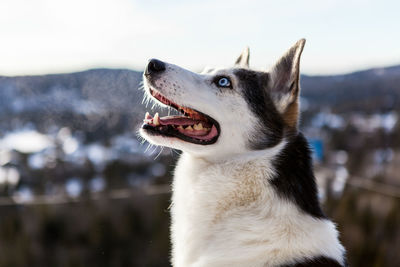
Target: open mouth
x=192, y=126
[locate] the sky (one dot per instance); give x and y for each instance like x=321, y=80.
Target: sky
x=53, y=36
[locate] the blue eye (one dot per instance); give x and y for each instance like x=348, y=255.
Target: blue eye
x=223, y=82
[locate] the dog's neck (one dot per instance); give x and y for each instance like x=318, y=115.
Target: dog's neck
x=236, y=213
x=241, y=158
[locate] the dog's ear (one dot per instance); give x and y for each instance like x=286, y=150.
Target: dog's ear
x=243, y=59
x=285, y=83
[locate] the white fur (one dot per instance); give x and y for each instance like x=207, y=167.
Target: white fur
x=224, y=210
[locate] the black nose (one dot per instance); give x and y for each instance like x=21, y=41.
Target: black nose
x=154, y=66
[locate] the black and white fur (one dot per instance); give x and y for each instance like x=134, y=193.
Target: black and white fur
x=249, y=199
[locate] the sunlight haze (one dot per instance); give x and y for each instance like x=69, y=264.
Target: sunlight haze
x=45, y=36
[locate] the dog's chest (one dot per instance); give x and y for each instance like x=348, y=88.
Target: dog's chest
x=230, y=209
x=217, y=188
x=206, y=196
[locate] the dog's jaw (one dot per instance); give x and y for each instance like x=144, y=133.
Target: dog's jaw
x=192, y=127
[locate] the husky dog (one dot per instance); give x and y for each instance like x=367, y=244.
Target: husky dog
x=244, y=192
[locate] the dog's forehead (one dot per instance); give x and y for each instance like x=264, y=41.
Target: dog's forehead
x=218, y=71
x=238, y=72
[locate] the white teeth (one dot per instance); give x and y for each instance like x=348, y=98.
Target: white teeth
x=198, y=126
x=156, y=122
x=147, y=116
x=156, y=119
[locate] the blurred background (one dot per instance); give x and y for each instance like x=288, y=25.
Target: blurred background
x=77, y=186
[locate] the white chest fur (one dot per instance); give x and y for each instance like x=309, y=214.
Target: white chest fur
x=227, y=214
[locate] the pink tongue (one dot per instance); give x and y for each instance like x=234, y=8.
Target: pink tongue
x=213, y=132
x=177, y=120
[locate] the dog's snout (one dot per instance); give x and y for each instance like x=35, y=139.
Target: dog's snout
x=154, y=66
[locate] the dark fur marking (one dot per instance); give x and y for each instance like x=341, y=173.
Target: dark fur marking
x=295, y=178
x=254, y=90
x=321, y=261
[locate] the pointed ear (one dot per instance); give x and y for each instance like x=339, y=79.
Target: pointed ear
x=243, y=59
x=284, y=83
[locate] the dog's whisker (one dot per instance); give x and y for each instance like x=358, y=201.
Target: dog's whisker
x=159, y=153
x=154, y=150
x=147, y=148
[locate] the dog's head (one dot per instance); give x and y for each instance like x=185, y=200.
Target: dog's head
x=224, y=111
